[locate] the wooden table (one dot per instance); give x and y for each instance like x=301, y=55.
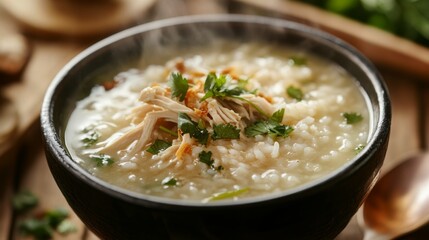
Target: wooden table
x=24, y=166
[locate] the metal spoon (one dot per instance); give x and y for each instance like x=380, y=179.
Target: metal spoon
x=399, y=202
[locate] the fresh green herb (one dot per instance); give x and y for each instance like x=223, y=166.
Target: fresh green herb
x=56, y=216
x=206, y=157
x=297, y=61
x=295, y=93
x=405, y=18
x=38, y=228
x=166, y=130
x=24, y=201
x=44, y=227
x=90, y=138
x=179, y=86
x=352, y=118
x=44, y=224
x=215, y=86
x=227, y=194
x=225, y=131
x=158, y=146
x=186, y=125
x=169, y=181
x=66, y=227
x=359, y=148
x=101, y=159
x=271, y=127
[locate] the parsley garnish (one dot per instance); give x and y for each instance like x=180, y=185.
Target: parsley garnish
x=44, y=226
x=169, y=181
x=271, y=127
x=158, y=146
x=352, y=118
x=206, y=157
x=295, y=93
x=179, y=86
x=24, y=201
x=90, y=137
x=41, y=225
x=225, y=131
x=101, y=159
x=215, y=86
x=186, y=125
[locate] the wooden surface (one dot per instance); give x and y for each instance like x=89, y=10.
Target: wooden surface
x=24, y=166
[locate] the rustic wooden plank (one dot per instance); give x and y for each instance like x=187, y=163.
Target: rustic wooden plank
x=7, y=175
x=425, y=108
x=26, y=93
x=383, y=47
x=35, y=176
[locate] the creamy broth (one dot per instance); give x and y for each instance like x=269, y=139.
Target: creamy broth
x=324, y=122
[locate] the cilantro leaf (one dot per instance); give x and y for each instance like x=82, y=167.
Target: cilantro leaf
x=90, y=138
x=352, y=118
x=186, y=125
x=24, y=201
x=179, y=86
x=278, y=116
x=158, y=146
x=295, y=93
x=225, y=131
x=271, y=127
x=38, y=228
x=206, y=157
x=101, y=159
x=56, y=216
x=169, y=181
x=215, y=86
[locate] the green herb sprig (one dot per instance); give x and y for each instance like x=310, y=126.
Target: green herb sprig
x=271, y=127
x=186, y=125
x=206, y=157
x=179, y=86
x=158, y=146
x=225, y=131
x=352, y=117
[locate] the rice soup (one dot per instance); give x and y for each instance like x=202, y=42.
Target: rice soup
x=235, y=122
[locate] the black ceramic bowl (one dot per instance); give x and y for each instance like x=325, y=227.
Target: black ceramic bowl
x=318, y=210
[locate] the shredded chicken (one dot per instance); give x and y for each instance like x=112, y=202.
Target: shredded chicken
x=222, y=115
x=142, y=132
x=156, y=95
x=159, y=105
x=256, y=101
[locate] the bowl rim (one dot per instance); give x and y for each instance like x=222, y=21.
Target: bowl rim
x=379, y=134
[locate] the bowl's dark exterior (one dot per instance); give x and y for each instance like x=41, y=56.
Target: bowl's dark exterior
x=318, y=211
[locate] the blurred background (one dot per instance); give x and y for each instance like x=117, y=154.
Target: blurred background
x=38, y=37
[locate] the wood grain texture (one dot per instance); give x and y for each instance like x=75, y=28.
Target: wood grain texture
x=27, y=93
x=34, y=175
x=382, y=47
